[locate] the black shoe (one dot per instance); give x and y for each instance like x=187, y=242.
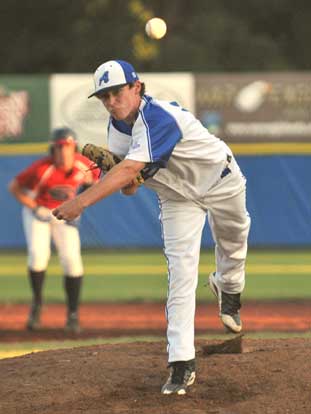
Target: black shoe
x=182, y=375
x=72, y=324
x=229, y=306
x=33, y=322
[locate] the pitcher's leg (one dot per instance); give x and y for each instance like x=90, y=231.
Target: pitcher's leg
x=182, y=228
x=230, y=222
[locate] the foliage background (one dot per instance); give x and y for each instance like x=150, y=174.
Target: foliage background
x=203, y=35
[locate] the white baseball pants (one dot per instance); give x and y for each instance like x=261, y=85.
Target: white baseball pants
x=182, y=225
x=65, y=237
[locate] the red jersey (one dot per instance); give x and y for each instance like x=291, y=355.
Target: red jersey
x=50, y=185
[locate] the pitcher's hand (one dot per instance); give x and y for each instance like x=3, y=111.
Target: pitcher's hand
x=69, y=210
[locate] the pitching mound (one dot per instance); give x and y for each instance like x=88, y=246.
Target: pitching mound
x=241, y=377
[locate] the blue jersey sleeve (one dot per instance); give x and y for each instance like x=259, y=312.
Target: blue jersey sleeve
x=162, y=132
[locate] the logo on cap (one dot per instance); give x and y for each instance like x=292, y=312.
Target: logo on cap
x=104, y=78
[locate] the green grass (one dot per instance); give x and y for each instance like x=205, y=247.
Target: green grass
x=139, y=276
x=45, y=346
x=17, y=349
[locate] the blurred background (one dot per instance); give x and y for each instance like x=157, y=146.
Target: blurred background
x=244, y=70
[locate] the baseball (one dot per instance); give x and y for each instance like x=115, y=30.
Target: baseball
x=156, y=28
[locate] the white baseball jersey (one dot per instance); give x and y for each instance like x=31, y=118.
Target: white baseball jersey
x=195, y=175
x=175, y=144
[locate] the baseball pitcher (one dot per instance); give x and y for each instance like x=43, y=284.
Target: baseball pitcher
x=195, y=176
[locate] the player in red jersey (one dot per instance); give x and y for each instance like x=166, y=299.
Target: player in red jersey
x=44, y=185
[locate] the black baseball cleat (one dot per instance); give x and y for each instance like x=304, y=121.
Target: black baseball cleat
x=182, y=375
x=229, y=306
x=72, y=324
x=33, y=322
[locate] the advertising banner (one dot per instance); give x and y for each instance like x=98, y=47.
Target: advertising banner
x=24, y=109
x=264, y=108
x=256, y=107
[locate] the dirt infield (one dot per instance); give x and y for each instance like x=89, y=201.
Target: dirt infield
x=270, y=377
x=105, y=320
x=258, y=376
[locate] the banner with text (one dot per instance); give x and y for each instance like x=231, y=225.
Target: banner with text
x=255, y=107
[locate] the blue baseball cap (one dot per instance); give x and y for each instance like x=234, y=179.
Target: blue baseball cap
x=111, y=74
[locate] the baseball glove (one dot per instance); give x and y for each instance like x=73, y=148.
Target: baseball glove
x=104, y=159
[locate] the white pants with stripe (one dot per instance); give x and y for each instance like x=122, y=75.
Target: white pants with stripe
x=182, y=225
x=65, y=237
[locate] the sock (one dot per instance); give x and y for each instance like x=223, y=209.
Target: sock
x=36, y=282
x=72, y=289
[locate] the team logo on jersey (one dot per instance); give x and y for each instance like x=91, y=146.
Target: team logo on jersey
x=104, y=78
x=135, y=144
x=62, y=192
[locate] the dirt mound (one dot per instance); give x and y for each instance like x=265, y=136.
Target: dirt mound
x=263, y=376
